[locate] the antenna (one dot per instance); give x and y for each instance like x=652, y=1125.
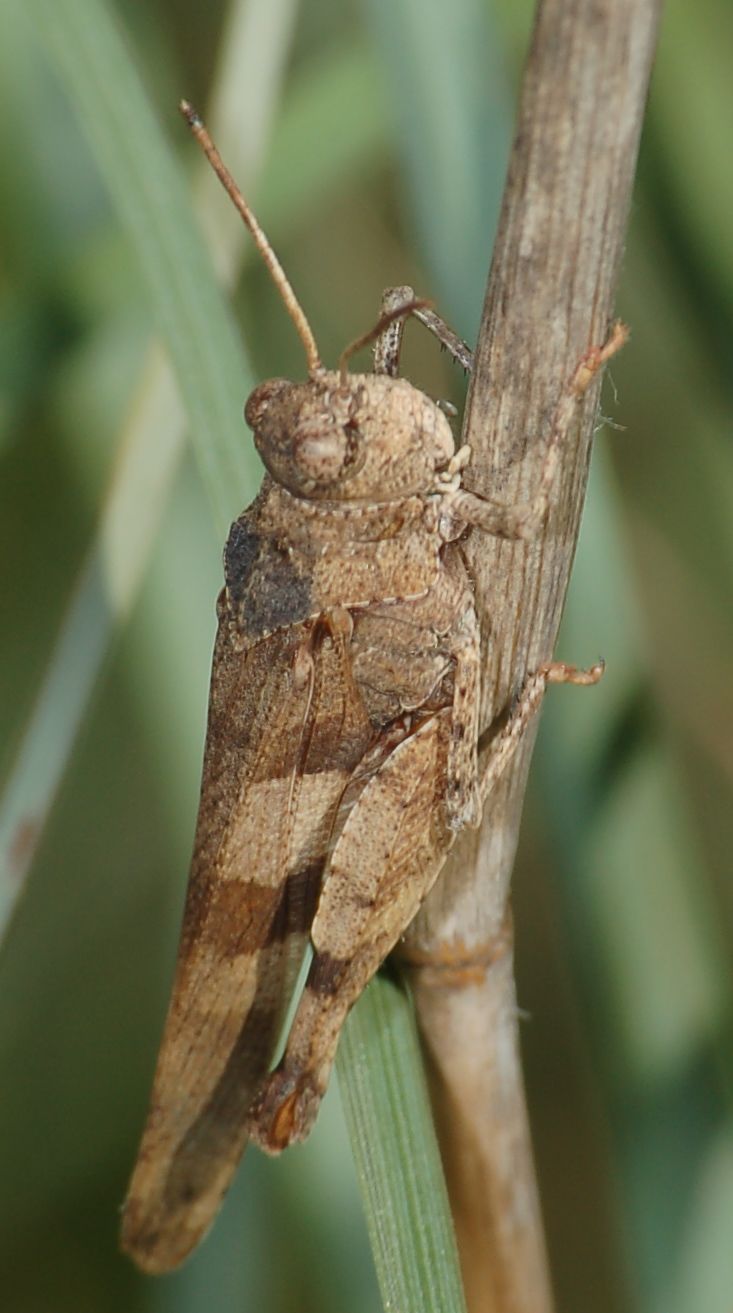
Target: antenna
x=277, y=273
x=397, y=312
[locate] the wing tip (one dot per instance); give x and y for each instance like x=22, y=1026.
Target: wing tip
x=172, y=1203
x=159, y=1237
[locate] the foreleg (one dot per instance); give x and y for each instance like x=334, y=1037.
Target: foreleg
x=523, y=519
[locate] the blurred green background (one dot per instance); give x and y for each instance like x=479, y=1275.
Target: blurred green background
x=372, y=139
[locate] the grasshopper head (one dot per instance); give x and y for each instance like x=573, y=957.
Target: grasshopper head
x=360, y=438
x=340, y=436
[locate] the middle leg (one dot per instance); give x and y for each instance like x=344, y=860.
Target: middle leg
x=505, y=743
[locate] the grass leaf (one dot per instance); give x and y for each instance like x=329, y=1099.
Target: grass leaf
x=397, y=1157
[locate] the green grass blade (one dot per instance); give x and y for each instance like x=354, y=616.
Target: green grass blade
x=152, y=443
x=151, y=198
x=397, y=1157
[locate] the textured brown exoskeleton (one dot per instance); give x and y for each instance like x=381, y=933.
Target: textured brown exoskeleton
x=341, y=753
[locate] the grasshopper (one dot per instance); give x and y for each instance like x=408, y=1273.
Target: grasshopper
x=341, y=753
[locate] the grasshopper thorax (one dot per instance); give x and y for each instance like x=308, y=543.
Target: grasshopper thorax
x=362, y=437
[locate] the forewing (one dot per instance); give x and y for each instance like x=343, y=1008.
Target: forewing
x=285, y=730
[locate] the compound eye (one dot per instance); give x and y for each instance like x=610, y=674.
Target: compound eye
x=320, y=450
x=259, y=401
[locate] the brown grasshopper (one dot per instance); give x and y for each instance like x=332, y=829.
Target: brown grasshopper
x=341, y=753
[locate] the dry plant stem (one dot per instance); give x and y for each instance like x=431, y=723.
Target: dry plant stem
x=550, y=297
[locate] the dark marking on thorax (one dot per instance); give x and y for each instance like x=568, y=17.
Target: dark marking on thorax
x=266, y=590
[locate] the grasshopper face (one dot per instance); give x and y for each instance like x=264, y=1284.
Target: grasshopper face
x=355, y=438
